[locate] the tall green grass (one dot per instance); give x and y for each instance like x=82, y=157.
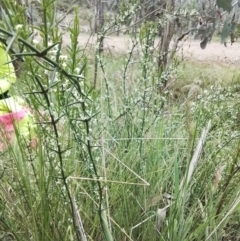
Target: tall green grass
x=119, y=161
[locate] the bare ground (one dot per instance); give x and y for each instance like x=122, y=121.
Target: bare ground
x=189, y=50
x=214, y=52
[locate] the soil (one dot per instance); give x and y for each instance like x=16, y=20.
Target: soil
x=215, y=51
x=188, y=50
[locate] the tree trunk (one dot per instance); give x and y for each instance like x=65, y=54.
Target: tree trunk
x=166, y=37
x=99, y=15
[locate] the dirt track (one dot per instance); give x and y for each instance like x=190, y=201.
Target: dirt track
x=214, y=52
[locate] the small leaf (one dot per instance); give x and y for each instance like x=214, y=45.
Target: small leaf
x=203, y=44
x=226, y=5
x=225, y=31
x=201, y=33
x=233, y=34
x=196, y=36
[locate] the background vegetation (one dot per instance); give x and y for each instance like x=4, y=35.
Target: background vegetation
x=131, y=146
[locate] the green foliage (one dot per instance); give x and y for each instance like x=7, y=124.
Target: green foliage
x=230, y=29
x=225, y=4
x=227, y=28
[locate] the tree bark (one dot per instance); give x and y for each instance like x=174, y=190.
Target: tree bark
x=99, y=15
x=166, y=37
